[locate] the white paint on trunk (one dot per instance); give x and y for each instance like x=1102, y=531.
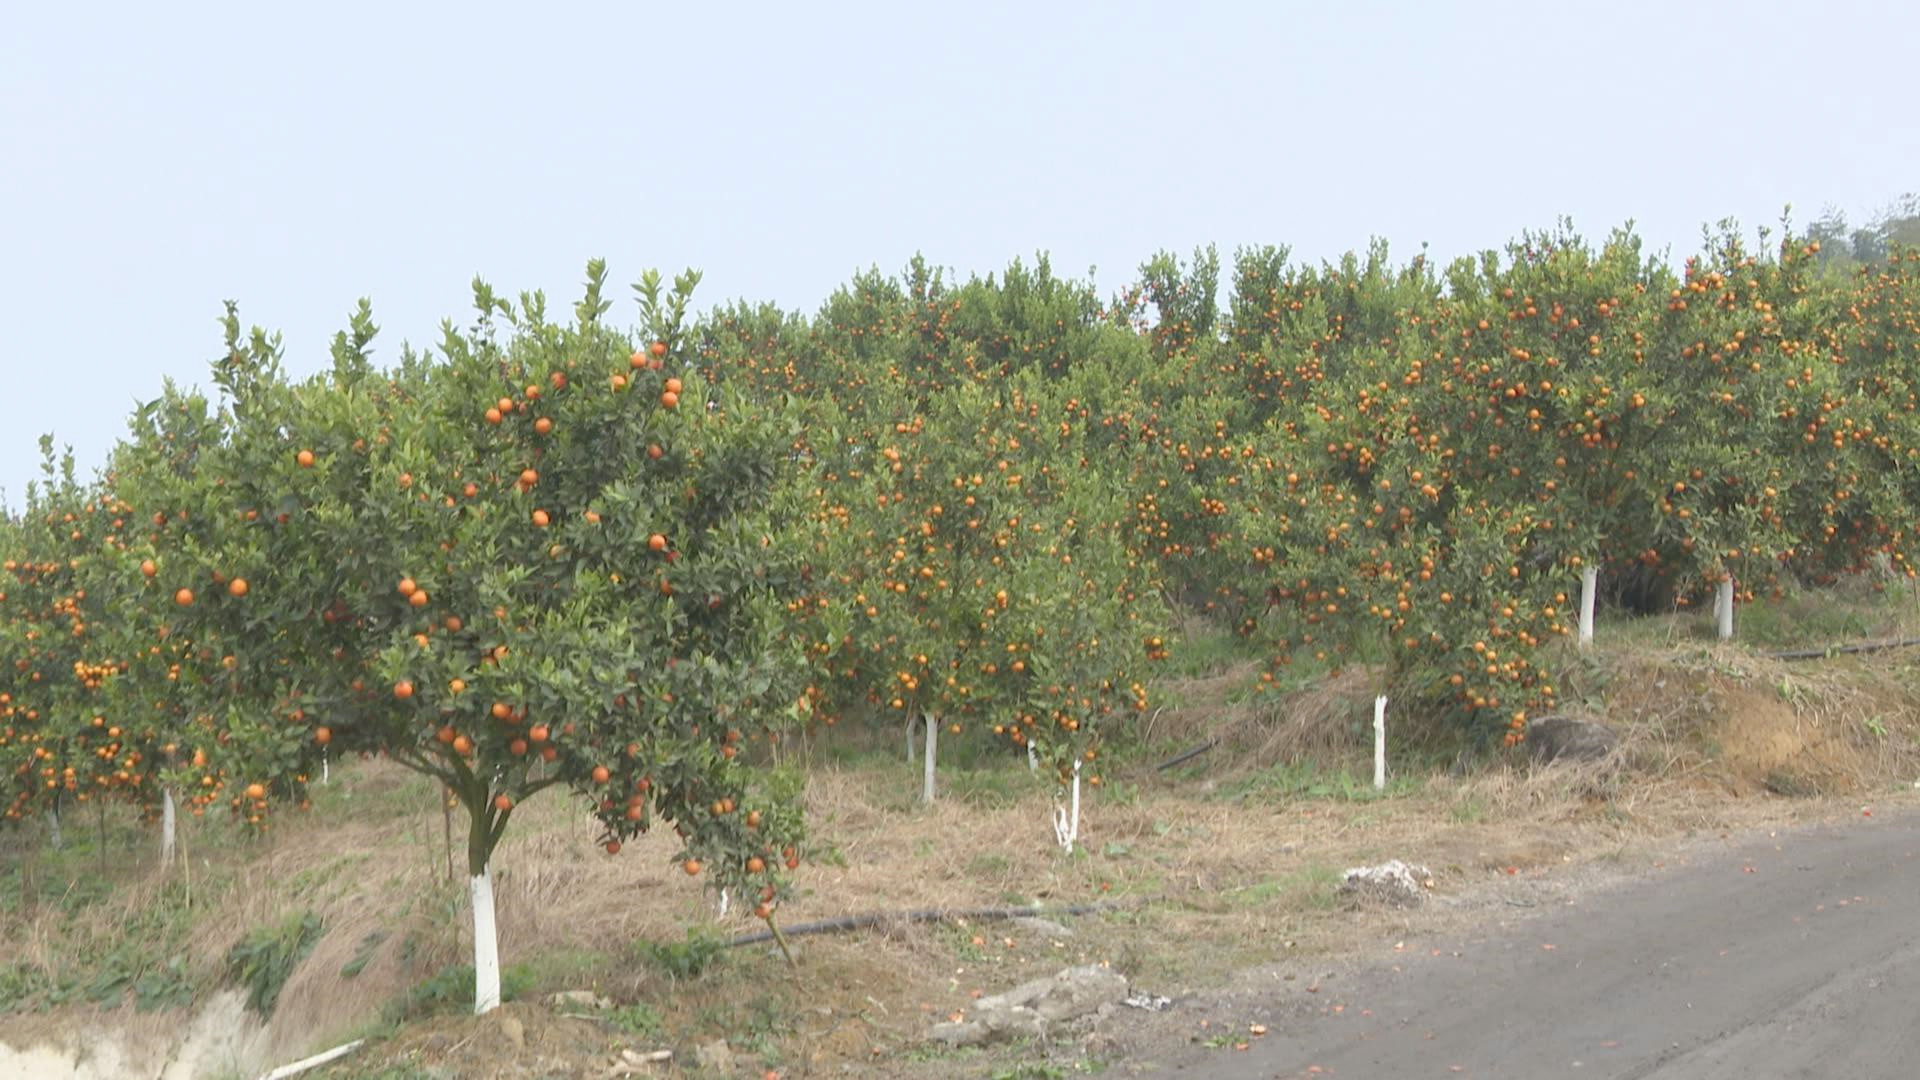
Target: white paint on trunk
x=325, y=774
x=54, y=836
x=166, y=826
x=1033, y=761
x=1066, y=820
x=1380, y=743
x=1723, y=607
x=486, y=944
x=1589, y=586
x=723, y=903
x=931, y=751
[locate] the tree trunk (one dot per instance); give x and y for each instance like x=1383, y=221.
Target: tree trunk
x=1066, y=820
x=54, y=837
x=486, y=944
x=166, y=827
x=484, y=830
x=932, y=751
x=1723, y=607
x=911, y=721
x=1380, y=743
x=1589, y=588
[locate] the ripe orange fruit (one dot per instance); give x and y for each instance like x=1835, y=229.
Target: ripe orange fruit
x=538, y=733
x=419, y=598
x=256, y=792
x=323, y=735
x=493, y=416
x=237, y=587
x=148, y=569
x=654, y=452
x=542, y=426
x=600, y=774
x=517, y=747
x=656, y=542
x=659, y=348
x=674, y=386
x=540, y=519
x=462, y=745
x=407, y=586
x=691, y=866
x=502, y=802
x=669, y=400
x=756, y=865
x=445, y=734
x=184, y=597
x=501, y=710
x=613, y=847
x=753, y=819
x=305, y=459
x=763, y=911
x=618, y=382
x=638, y=360
x=457, y=686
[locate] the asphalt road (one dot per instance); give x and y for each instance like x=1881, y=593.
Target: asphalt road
x=1788, y=957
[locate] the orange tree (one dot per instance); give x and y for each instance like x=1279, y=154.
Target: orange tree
x=542, y=557
x=210, y=656
x=978, y=580
x=66, y=730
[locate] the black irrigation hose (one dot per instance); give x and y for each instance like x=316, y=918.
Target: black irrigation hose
x=1836, y=650
x=877, y=918
x=1187, y=756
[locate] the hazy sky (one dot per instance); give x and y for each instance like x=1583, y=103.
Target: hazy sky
x=158, y=159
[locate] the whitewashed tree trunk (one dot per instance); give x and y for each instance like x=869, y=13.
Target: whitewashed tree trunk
x=1380, y=743
x=931, y=752
x=166, y=827
x=1066, y=820
x=486, y=944
x=1589, y=588
x=1033, y=760
x=54, y=835
x=1723, y=607
x=912, y=721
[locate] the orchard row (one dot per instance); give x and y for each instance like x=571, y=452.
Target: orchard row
x=548, y=552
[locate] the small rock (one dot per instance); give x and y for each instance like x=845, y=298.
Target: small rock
x=1554, y=737
x=715, y=1056
x=1030, y=1008
x=1044, y=927
x=578, y=999
x=960, y=1033
x=1141, y=999
x=1394, y=882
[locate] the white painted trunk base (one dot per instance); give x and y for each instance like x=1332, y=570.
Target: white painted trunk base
x=1589, y=587
x=486, y=944
x=930, y=751
x=1380, y=743
x=1723, y=607
x=1066, y=819
x=166, y=827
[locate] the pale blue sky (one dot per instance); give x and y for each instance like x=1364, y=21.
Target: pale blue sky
x=157, y=159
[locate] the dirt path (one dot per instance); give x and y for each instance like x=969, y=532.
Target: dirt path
x=1785, y=957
